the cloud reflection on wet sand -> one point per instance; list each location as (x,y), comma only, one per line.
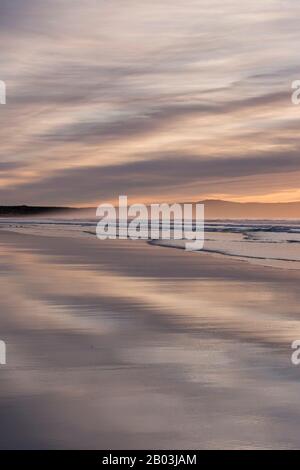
(122,344)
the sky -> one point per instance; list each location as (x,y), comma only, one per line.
(161,100)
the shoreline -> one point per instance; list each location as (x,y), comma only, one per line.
(246,248)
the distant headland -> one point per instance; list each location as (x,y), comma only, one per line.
(214,209)
(23,211)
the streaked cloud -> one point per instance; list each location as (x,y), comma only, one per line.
(153,99)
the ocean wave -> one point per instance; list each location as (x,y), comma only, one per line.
(271,243)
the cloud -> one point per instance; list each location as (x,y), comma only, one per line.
(6,166)
(157,177)
(145,94)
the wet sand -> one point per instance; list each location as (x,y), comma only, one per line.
(120,344)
